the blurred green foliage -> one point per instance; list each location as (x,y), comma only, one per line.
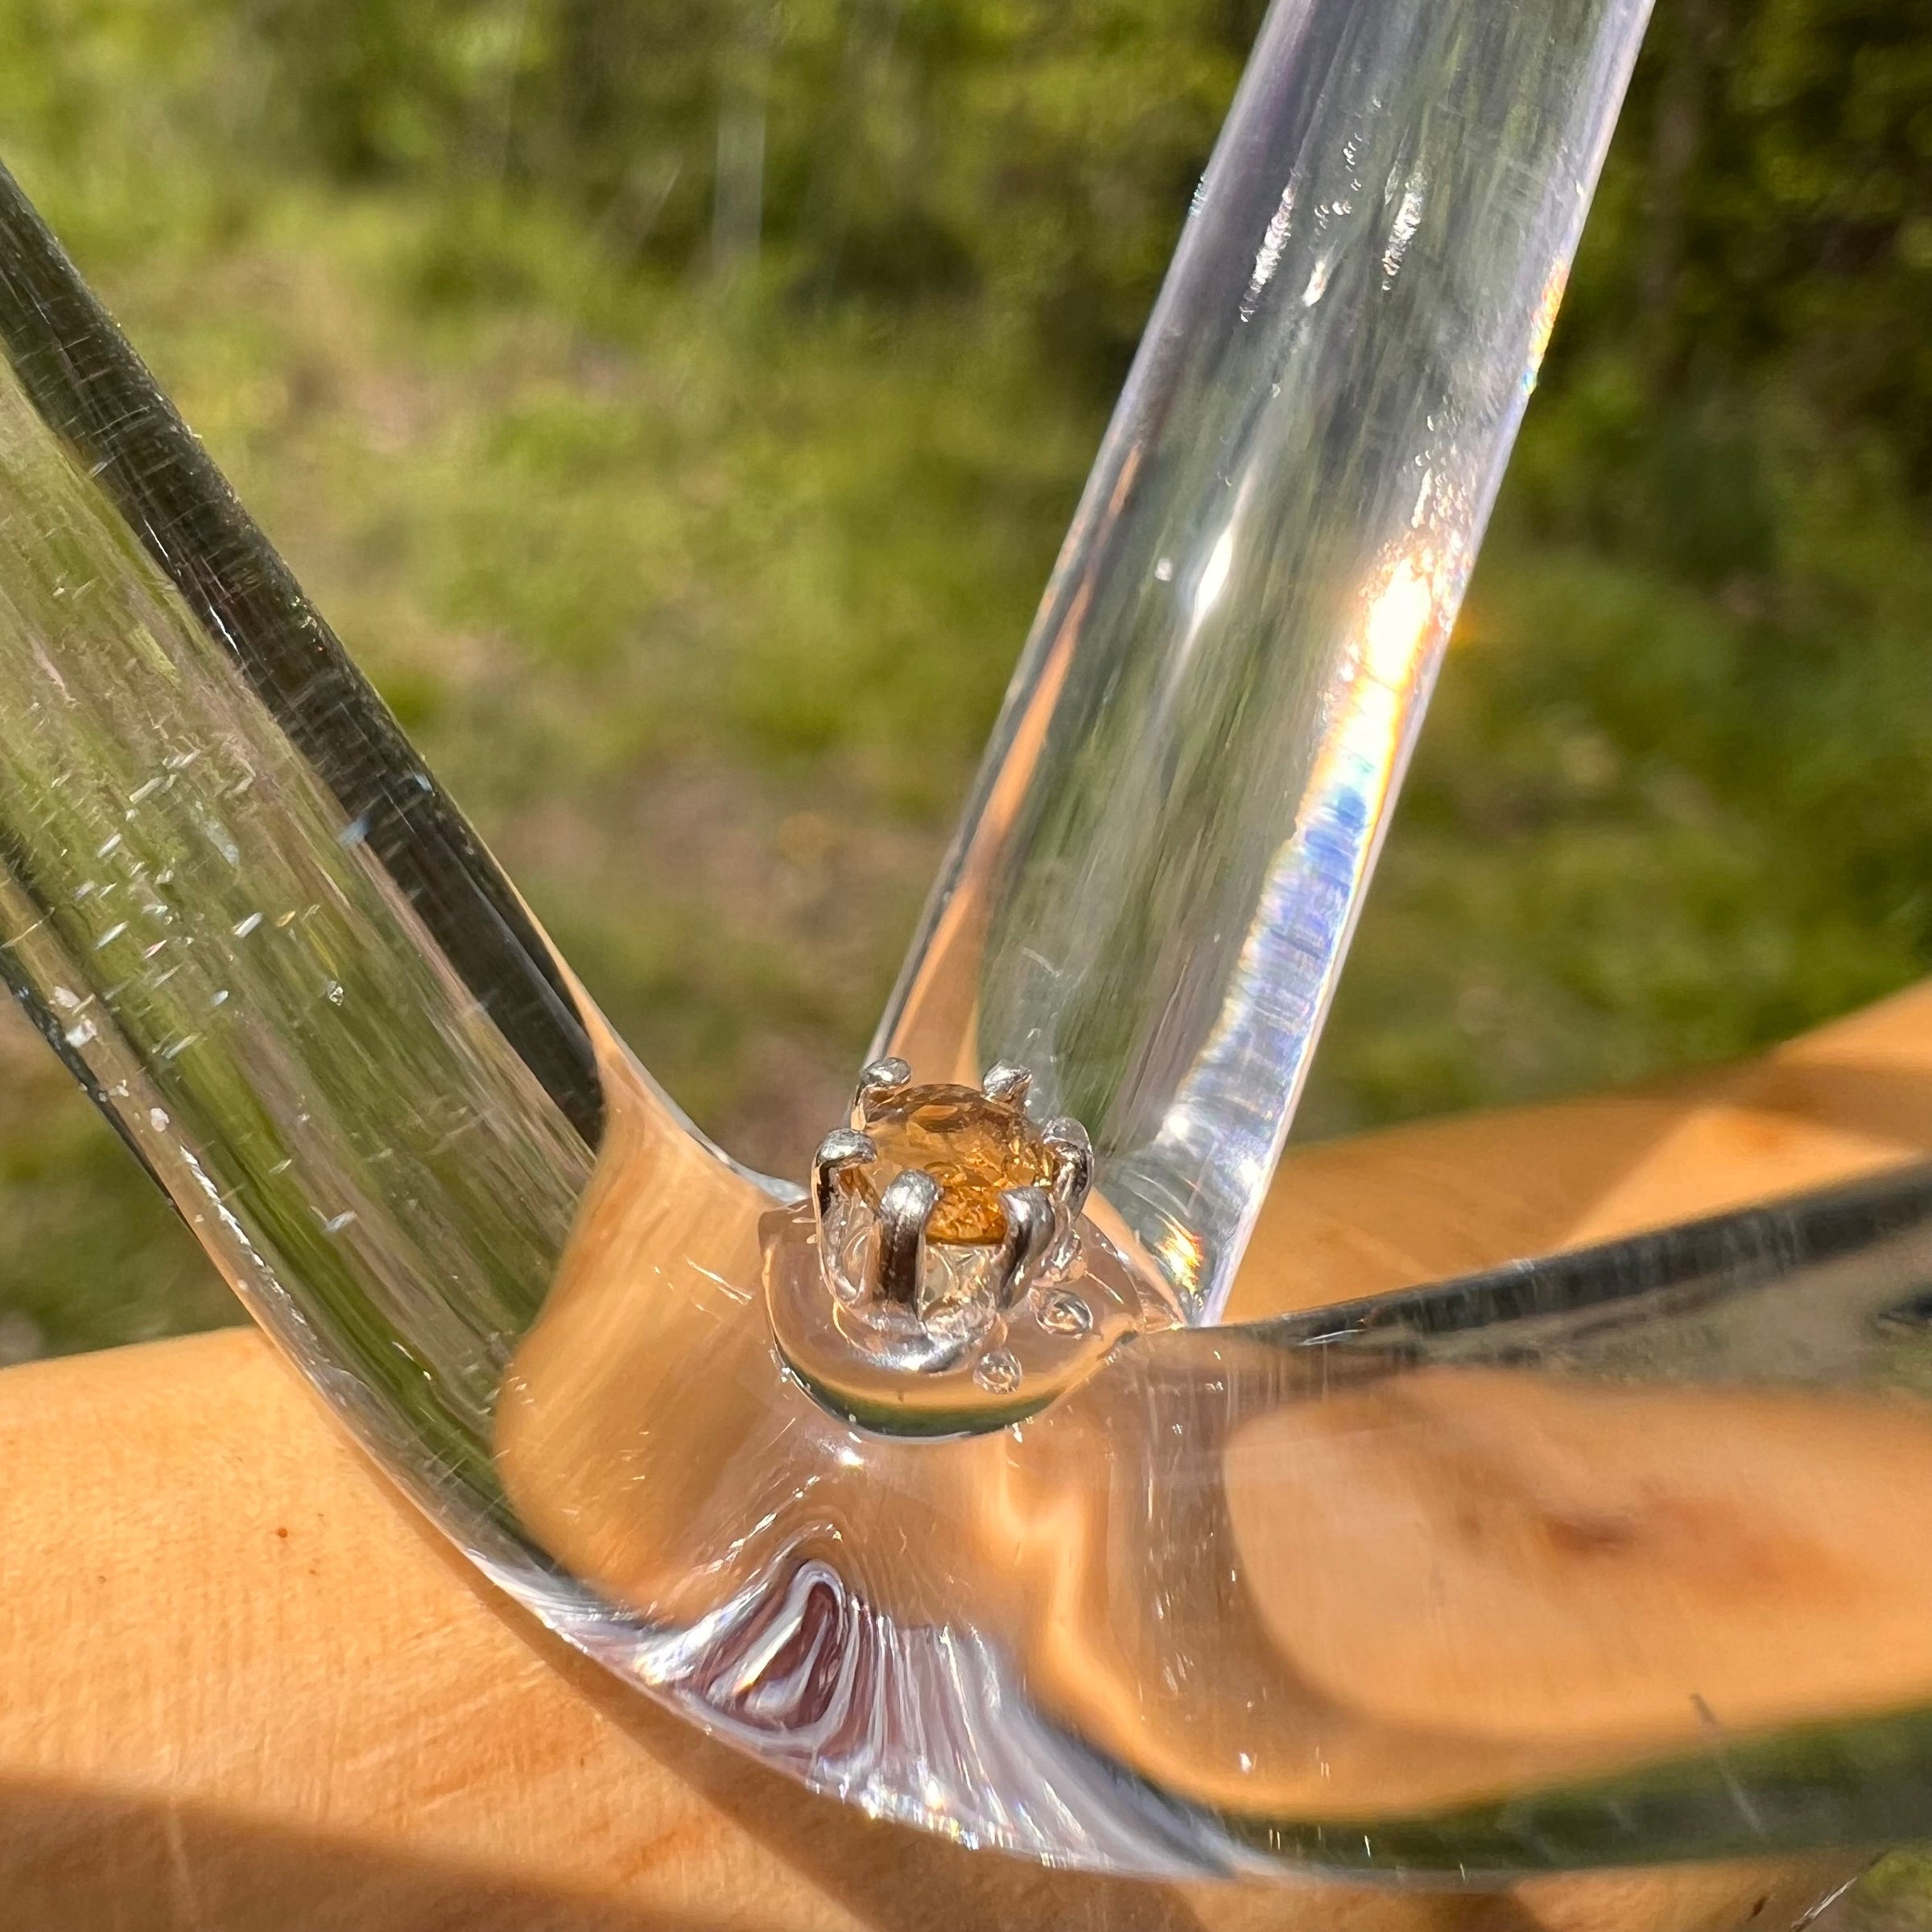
(677,404)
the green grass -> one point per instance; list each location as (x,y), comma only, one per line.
(702,601)
(666,584)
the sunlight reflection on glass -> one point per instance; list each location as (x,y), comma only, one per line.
(1152,906)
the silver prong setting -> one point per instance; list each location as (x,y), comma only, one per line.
(943,1212)
(842,1149)
(877,1084)
(1072,1152)
(905,1208)
(1031,1225)
(1008,1084)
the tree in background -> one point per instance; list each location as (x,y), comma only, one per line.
(668,395)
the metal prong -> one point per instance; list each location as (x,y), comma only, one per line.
(905,1208)
(837,1151)
(1007,1083)
(1029,1231)
(878,1081)
(1072,1163)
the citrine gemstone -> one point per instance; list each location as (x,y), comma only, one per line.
(973,1147)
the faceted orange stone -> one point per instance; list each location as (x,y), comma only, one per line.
(973,1147)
